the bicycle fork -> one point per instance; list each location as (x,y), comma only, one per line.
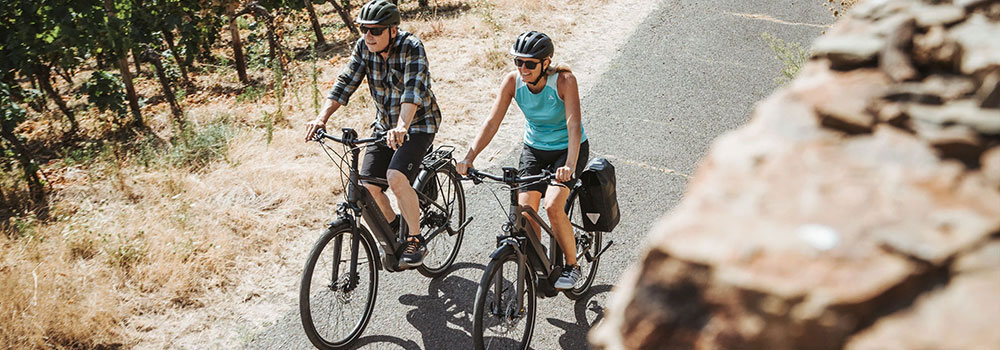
(519,283)
(352,272)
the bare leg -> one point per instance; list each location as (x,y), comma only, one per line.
(531,199)
(406,197)
(382,200)
(555,203)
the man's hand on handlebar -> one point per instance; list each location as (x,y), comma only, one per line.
(312,127)
(395,137)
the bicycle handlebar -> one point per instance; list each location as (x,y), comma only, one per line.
(379,137)
(477,176)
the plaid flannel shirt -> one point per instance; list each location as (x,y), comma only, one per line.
(403,78)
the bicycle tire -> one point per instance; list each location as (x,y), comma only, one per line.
(450,195)
(327,295)
(484,309)
(588,242)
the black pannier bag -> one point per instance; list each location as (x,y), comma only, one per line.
(598,200)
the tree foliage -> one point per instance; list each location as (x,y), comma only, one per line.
(96,39)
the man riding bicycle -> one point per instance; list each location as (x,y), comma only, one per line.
(395,64)
(554,140)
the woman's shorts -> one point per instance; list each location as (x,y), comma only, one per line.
(534,160)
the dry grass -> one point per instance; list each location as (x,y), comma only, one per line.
(199,244)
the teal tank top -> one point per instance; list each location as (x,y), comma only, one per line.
(545,113)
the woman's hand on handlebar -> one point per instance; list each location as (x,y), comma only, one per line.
(463,167)
(564,173)
(312,127)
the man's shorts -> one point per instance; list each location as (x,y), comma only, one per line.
(533,160)
(406,159)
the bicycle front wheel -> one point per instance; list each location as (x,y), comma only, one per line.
(588,246)
(335,305)
(443,211)
(498,323)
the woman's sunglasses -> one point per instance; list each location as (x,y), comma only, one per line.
(376,31)
(527,64)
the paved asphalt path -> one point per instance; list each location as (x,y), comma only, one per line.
(690,72)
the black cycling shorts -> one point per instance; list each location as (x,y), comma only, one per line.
(533,160)
(379,157)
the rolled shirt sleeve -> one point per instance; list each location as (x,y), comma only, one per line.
(350,78)
(416,78)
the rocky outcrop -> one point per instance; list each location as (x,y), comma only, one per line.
(859,209)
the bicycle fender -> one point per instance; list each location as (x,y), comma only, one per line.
(505,247)
(340,223)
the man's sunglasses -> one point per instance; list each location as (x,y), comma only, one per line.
(527,64)
(376,31)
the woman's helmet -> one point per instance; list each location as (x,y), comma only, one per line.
(532,44)
(380,12)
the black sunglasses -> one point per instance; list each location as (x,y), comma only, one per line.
(376,31)
(527,64)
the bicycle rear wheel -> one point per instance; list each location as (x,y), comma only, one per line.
(497,321)
(588,245)
(444,206)
(335,308)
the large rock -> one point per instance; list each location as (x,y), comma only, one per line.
(859,209)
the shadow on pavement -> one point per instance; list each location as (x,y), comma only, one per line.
(380,341)
(588,310)
(444,315)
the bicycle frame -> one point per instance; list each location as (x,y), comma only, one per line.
(361,204)
(521,238)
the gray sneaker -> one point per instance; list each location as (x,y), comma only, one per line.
(568,277)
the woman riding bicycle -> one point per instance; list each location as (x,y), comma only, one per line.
(553,137)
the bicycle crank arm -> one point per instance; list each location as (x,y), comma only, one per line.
(604,250)
(460,228)
(442,228)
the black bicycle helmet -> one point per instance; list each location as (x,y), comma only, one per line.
(532,44)
(380,12)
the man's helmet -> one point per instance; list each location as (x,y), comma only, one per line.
(532,44)
(380,12)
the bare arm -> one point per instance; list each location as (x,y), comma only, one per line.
(329,106)
(492,123)
(396,136)
(570,94)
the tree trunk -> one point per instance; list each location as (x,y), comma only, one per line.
(185,80)
(43,75)
(37,104)
(35,187)
(133,99)
(273,46)
(65,75)
(241,62)
(137,60)
(320,41)
(345,15)
(175,108)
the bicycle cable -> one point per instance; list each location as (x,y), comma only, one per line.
(511,188)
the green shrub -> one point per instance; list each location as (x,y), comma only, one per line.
(196,148)
(792,55)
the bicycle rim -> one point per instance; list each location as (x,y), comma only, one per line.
(443,248)
(497,323)
(334,316)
